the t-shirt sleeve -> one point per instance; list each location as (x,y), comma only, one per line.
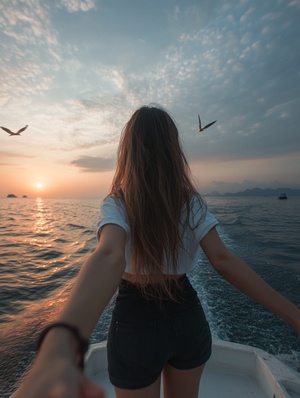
(202,220)
(112,212)
(206,224)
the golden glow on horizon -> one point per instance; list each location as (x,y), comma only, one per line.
(59,181)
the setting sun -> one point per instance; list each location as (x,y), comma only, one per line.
(39,185)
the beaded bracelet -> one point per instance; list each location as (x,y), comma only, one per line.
(82,343)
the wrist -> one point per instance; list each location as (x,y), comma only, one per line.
(62,340)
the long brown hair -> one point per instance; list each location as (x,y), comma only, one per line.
(153,180)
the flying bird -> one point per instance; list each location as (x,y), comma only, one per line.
(12,133)
(205,127)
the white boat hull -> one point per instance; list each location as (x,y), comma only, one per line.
(233,371)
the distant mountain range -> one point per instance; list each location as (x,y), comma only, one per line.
(260,192)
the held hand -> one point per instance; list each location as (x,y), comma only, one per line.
(57,379)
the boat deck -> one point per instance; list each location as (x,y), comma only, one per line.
(234,371)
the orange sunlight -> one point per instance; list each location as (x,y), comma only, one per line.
(54,182)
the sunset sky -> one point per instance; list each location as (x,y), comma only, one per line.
(75,70)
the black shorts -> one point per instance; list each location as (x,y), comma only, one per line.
(145,335)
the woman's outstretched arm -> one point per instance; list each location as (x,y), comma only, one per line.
(97,281)
(240,275)
(55,372)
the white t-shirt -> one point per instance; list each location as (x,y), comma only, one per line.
(113,212)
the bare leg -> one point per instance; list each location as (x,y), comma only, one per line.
(152,391)
(182,383)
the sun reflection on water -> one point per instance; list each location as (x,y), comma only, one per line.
(40,219)
(42,226)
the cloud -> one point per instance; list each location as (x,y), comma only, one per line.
(30,47)
(294,3)
(78,5)
(7,154)
(27,22)
(271,16)
(92,164)
(94,122)
(245,17)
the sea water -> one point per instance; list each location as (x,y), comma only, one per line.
(45,241)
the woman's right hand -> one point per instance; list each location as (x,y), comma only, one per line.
(57,379)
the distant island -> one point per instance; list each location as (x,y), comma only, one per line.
(12,195)
(261,192)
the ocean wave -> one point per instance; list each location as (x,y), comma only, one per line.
(49,255)
(75,226)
